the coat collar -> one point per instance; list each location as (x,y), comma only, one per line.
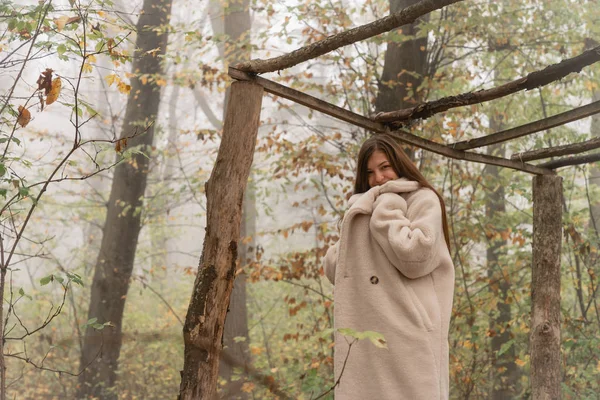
(400,185)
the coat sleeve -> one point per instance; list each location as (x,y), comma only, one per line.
(410,234)
(330,261)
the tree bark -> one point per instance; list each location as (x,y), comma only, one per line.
(594,178)
(505,373)
(204,324)
(236,25)
(114,265)
(405,63)
(545,288)
(236,323)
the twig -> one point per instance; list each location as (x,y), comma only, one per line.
(337,382)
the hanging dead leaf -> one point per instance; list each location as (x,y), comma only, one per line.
(121,145)
(61,22)
(54,92)
(72,20)
(24,116)
(44,81)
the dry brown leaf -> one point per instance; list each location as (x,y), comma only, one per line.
(121,145)
(24,116)
(44,81)
(54,92)
(73,20)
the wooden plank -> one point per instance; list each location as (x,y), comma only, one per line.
(468,156)
(403,17)
(556,151)
(545,288)
(567,161)
(309,101)
(532,127)
(205,319)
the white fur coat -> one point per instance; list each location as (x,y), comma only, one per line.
(393,274)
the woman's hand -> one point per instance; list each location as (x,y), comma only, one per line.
(391,201)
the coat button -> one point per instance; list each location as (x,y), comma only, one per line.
(374,280)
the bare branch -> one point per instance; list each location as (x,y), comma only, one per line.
(406,16)
(533,80)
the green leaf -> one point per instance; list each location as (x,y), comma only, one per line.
(75,278)
(23,191)
(505,347)
(2,170)
(46,280)
(61,49)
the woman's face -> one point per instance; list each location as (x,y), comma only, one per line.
(379,169)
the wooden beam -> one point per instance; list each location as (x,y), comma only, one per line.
(567,161)
(468,156)
(205,319)
(309,101)
(531,81)
(532,127)
(403,17)
(556,151)
(366,123)
(545,288)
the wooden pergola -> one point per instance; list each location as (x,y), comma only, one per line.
(225,191)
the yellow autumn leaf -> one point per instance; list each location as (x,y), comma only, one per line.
(55,91)
(61,22)
(101,14)
(24,116)
(112,78)
(87,67)
(123,87)
(91,58)
(256,350)
(248,387)
(520,362)
(161,82)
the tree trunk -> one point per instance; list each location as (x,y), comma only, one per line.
(120,234)
(236,323)
(404,65)
(204,323)
(545,288)
(594,178)
(505,374)
(237,25)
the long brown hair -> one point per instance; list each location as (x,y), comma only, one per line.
(401,164)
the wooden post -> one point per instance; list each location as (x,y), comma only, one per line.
(545,288)
(205,319)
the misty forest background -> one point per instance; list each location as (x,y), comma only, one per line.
(102,187)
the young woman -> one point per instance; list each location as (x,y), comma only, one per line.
(393,274)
